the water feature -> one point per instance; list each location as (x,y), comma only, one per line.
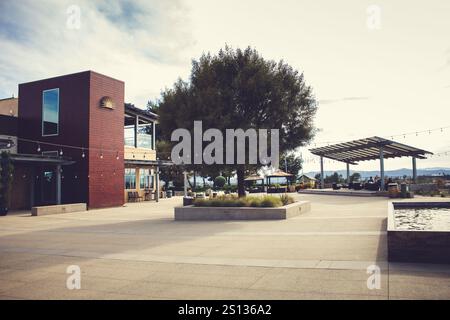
(430,219)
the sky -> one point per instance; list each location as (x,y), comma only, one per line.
(377,67)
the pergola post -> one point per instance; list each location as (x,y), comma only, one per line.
(382,168)
(322,186)
(414,167)
(348,173)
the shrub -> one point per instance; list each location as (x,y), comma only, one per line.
(285,199)
(234,201)
(219,182)
(255,201)
(271,202)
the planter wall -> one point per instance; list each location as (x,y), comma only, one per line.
(241,213)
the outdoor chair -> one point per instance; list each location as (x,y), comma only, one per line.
(133,196)
(336,186)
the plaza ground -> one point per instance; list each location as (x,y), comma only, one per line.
(140,252)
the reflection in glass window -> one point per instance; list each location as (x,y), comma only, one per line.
(50,112)
(145,179)
(129,135)
(145,136)
(130,178)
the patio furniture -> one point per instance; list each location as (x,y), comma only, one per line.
(187,201)
(133,196)
(336,186)
(357,186)
(149,195)
(372,186)
(393,190)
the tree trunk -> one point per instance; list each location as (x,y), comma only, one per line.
(240,181)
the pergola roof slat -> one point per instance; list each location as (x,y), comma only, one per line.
(368,149)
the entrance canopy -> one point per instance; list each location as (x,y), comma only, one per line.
(368,149)
(40,159)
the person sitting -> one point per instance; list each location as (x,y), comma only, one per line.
(370,180)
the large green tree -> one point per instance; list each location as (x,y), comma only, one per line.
(240,89)
(291,163)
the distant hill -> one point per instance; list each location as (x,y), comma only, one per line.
(389,173)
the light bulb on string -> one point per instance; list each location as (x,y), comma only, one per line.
(60,152)
(101,155)
(117,155)
(83,155)
(38,148)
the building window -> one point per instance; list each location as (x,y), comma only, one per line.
(130,178)
(50,112)
(145,179)
(145,136)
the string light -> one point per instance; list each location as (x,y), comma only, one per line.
(392,137)
(38,148)
(60,152)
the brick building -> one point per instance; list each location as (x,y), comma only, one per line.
(73,139)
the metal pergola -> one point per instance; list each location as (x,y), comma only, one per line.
(372,148)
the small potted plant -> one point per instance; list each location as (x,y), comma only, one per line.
(6,178)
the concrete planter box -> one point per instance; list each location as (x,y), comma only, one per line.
(241,213)
(417,245)
(57,209)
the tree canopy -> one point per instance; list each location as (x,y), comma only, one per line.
(240,89)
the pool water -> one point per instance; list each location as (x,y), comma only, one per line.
(427,219)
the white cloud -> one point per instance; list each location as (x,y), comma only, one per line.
(142,44)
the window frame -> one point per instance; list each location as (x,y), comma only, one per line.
(131,175)
(42,114)
(147,179)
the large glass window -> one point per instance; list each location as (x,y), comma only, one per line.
(145,136)
(130,178)
(143,128)
(145,179)
(129,135)
(50,112)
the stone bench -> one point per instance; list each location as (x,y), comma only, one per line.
(57,209)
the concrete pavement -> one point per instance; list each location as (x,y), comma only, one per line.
(140,252)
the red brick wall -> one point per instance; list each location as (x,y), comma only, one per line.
(106,176)
(83,123)
(73,127)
